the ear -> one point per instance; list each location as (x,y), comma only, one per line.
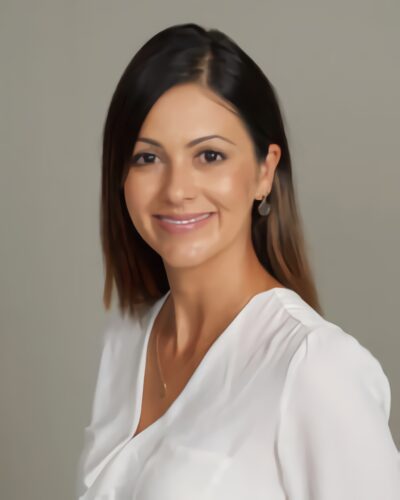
(266,171)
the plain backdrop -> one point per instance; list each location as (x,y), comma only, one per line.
(335,66)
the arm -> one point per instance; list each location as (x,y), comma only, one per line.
(88,458)
(333,438)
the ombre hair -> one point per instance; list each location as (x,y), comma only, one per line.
(181,54)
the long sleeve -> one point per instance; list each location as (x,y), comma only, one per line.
(88,459)
(333,438)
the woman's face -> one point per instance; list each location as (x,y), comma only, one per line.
(169,176)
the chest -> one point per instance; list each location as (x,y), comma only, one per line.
(156,401)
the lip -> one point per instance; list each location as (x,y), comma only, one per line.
(182,216)
(172,228)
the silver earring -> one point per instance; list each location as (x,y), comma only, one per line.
(264,207)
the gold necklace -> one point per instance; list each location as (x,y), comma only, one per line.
(164,390)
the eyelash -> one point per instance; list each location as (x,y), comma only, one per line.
(135,158)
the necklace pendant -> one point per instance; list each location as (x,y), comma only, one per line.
(163,392)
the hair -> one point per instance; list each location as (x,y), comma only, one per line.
(179,54)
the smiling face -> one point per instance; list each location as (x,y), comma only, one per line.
(218,175)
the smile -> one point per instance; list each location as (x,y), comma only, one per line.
(183,225)
(185,221)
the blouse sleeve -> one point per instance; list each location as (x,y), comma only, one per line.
(88,459)
(333,438)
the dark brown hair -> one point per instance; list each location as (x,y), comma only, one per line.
(180,54)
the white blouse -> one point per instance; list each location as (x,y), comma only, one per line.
(284,405)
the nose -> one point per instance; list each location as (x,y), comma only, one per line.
(179,183)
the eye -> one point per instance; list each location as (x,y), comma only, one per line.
(210,155)
(135,158)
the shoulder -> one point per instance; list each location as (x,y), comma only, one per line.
(293,307)
(120,329)
(284,312)
(320,355)
(333,436)
(331,368)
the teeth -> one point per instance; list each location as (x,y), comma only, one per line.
(189,221)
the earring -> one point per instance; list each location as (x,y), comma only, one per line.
(264,207)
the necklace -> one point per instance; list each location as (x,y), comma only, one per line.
(163,393)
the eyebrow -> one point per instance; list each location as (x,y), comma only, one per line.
(189,144)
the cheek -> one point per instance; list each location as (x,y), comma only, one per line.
(138,192)
(233,189)
(136,198)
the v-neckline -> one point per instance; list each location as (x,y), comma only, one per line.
(177,402)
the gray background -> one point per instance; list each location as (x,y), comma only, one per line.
(336,69)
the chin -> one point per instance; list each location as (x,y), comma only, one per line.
(185,257)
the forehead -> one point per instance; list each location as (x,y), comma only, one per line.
(187,111)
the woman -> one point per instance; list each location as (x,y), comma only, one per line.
(219,376)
